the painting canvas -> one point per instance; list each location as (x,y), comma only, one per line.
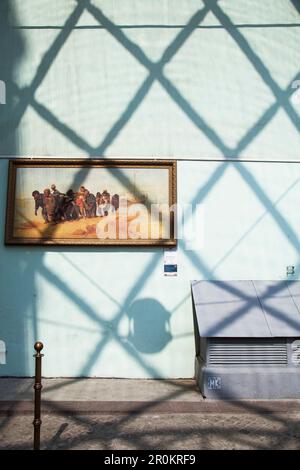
(91,202)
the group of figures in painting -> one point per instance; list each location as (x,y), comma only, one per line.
(58,207)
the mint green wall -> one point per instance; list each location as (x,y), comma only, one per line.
(217,91)
(94,93)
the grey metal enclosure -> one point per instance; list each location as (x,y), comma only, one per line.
(247,338)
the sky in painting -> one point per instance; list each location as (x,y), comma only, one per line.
(123,181)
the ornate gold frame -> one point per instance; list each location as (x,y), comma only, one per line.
(85,163)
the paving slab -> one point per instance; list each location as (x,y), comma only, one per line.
(113,414)
(168,431)
(115,396)
(90,389)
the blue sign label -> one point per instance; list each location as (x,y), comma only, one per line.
(170,268)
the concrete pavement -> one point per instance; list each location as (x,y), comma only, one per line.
(142,414)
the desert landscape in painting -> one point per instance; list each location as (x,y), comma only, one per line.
(132,227)
(47,207)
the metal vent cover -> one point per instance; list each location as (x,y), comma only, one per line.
(296,352)
(247,352)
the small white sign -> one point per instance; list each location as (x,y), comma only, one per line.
(170,262)
(2,352)
(2,92)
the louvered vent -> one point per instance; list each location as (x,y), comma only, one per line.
(253,353)
(296,352)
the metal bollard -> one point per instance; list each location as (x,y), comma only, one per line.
(37,395)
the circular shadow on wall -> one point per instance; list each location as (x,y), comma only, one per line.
(149,325)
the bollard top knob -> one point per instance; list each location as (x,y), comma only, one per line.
(38,346)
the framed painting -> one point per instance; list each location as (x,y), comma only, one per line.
(91,202)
